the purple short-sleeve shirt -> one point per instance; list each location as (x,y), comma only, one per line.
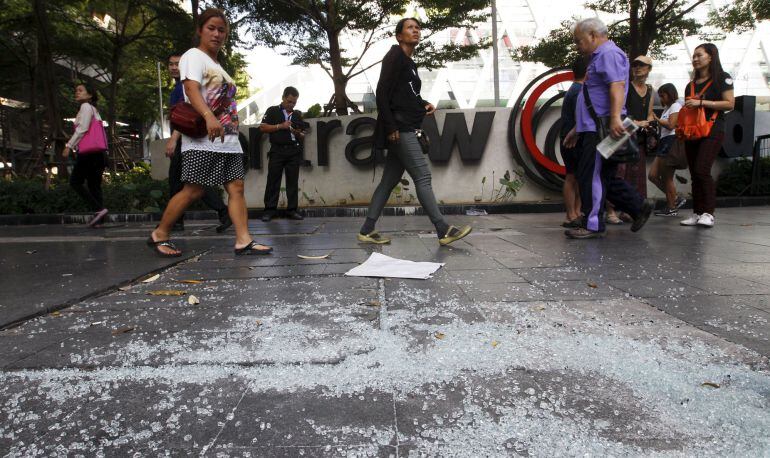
(609,64)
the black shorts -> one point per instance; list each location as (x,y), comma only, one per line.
(664,146)
(571,157)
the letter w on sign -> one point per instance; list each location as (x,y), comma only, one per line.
(471,146)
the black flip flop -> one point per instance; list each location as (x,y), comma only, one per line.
(167,243)
(251,249)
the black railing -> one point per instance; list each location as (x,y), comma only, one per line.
(761,150)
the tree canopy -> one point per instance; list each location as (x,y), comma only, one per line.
(645,26)
(48,47)
(309,31)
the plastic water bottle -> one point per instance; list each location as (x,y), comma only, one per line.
(609,145)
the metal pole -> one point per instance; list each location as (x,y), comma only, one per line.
(495,65)
(160,102)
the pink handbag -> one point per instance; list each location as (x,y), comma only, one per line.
(95,140)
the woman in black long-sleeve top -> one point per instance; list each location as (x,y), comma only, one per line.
(400,114)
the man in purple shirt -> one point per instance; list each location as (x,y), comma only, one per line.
(607,80)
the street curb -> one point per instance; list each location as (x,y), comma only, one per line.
(330,212)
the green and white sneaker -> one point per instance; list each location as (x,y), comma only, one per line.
(454,234)
(373,237)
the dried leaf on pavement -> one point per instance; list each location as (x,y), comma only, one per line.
(123,330)
(495,343)
(125,288)
(325,256)
(56,313)
(192,300)
(592,285)
(191,282)
(439,335)
(151,279)
(167,292)
(711,384)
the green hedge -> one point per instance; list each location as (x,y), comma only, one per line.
(133,191)
(737,176)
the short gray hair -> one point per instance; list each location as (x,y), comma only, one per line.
(592,24)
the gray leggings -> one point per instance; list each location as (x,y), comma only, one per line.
(407,155)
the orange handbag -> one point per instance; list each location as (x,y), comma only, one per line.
(692,123)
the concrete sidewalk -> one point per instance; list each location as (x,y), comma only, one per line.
(525,343)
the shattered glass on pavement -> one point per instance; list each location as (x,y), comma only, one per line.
(524,344)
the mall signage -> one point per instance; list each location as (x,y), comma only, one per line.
(527,119)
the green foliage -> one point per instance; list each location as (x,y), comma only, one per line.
(22,196)
(555,50)
(310,30)
(735,179)
(134,191)
(313,112)
(639,30)
(18,49)
(740,15)
(445,14)
(510,186)
(122,52)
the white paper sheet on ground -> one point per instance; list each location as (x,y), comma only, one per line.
(379,265)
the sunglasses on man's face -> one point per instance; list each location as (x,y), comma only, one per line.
(639,64)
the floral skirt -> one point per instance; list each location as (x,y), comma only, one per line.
(209,168)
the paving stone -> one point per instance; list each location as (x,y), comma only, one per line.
(275,419)
(145,319)
(656,288)
(32,285)
(484,276)
(402,293)
(726,286)
(540,274)
(339,269)
(518,262)
(508,350)
(383,451)
(758,272)
(499,292)
(135,417)
(225,273)
(577,290)
(734,318)
(17,344)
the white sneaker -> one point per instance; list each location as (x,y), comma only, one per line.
(691,221)
(706,220)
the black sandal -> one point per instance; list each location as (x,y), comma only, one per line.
(166,243)
(251,248)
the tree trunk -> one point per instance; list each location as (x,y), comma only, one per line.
(633,29)
(35,122)
(113,90)
(335,58)
(49,83)
(647,30)
(338,75)
(195,6)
